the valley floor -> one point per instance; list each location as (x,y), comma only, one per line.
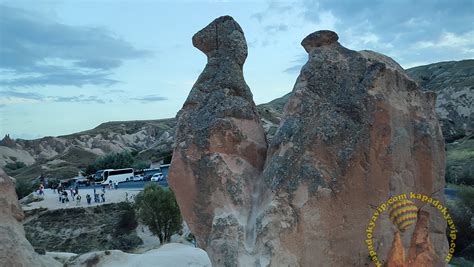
(51,198)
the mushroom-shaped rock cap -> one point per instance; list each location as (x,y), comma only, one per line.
(222,37)
(319,38)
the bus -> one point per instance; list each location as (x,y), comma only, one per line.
(120,175)
(98,175)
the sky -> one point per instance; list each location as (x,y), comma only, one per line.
(67,66)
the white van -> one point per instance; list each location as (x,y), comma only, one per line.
(120,175)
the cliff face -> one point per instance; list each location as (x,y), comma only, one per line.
(453,81)
(355,131)
(15,250)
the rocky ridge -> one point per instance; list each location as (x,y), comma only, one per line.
(453,82)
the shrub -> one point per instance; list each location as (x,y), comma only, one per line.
(462,212)
(157,208)
(24,188)
(128,220)
(14,166)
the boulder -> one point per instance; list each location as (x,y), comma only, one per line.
(355,131)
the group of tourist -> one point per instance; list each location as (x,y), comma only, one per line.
(97,198)
(64,195)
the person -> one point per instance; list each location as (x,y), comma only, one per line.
(88,198)
(71,192)
(41,190)
(116,185)
(78,200)
(110,184)
(103,197)
(64,198)
(96,197)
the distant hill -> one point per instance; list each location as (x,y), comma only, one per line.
(63,156)
(453,81)
(153,140)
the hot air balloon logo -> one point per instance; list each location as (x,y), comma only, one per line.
(403,213)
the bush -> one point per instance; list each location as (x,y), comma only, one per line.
(14,166)
(157,208)
(128,220)
(24,188)
(462,211)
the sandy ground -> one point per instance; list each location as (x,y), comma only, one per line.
(168,255)
(51,199)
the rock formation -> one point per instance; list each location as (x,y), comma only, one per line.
(355,131)
(15,250)
(220,147)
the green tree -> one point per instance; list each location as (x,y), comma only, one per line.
(140,165)
(158,209)
(111,161)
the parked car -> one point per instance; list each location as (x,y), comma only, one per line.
(157,177)
(137,178)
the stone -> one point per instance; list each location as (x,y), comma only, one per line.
(355,131)
(220,146)
(15,250)
(319,38)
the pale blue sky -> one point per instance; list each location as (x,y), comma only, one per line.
(67,66)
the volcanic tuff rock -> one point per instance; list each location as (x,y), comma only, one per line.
(220,145)
(355,130)
(14,248)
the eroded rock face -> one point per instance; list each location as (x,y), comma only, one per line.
(15,250)
(355,131)
(220,146)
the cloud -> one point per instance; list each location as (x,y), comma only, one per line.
(409,31)
(448,40)
(38,51)
(11,97)
(79,99)
(150,98)
(297,64)
(276,28)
